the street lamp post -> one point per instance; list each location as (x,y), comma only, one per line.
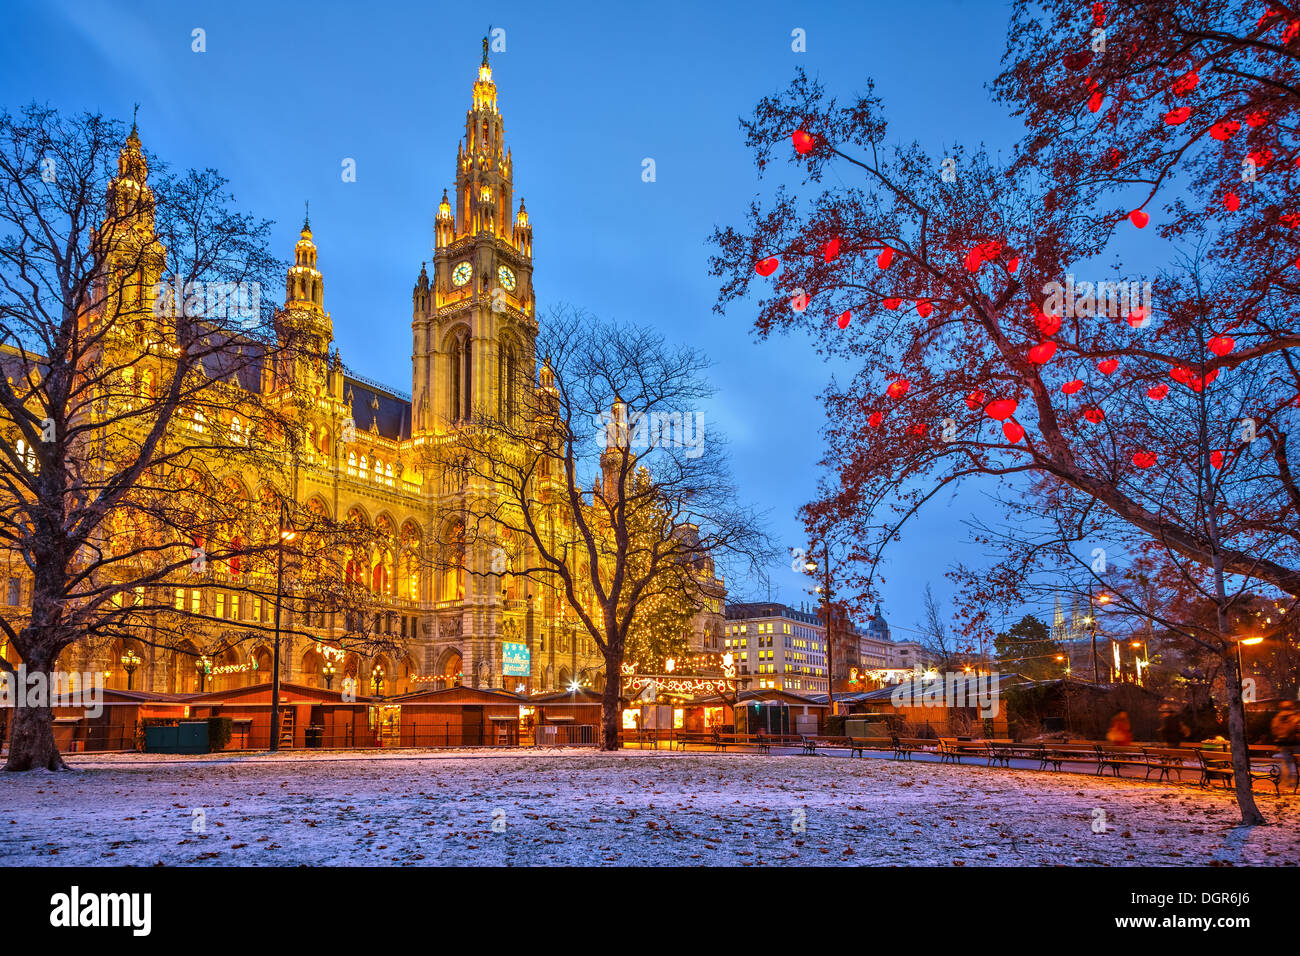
(202,665)
(825,589)
(286,534)
(328,671)
(130,661)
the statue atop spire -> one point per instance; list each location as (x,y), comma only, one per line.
(485,48)
(306,215)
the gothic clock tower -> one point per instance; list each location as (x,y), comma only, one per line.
(474,318)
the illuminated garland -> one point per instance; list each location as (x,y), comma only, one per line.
(682,685)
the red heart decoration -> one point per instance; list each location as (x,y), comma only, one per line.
(1094,415)
(1178,116)
(1095,101)
(1158,393)
(1261,158)
(1106,366)
(1042,353)
(892,303)
(1139,218)
(1216,459)
(800,301)
(875,419)
(1048,324)
(1180,374)
(1001,409)
(1257,117)
(918,429)
(1221,344)
(1137,317)
(1144,459)
(765,267)
(1013,432)
(844,319)
(974,400)
(923,308)
(1225,130)
(1098,14)
(832,250)
(1290,219)
(898,389)
(1231,202)
(1069,388)
(885,258)
(1186,83)
(990,250)
(973,260)
(803,142)
(1013,264)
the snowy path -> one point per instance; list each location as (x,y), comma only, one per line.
(637,807)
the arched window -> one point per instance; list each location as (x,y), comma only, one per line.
(506,373)
(453,564)
(461,379)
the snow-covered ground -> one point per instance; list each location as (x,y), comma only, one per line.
(635,807)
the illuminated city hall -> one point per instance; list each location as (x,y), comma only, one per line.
(473,327)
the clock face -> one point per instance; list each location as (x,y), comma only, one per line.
(460,275)
(506,278)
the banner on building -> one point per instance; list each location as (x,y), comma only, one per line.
(515,660)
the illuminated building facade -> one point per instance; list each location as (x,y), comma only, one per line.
(373,458)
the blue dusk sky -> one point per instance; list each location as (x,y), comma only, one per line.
(285,92)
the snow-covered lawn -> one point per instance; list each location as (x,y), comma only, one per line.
(580,807)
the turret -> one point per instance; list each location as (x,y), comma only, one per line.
(523,232)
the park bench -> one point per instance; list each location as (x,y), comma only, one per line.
(859,745)
(761,741)
(1001,751)
(1217,765)
(684,738)
(904,747)
(1027,751)
(785,740)
(1115,756)
(1058,754)
(1163,761)
(812,741)
(951,750)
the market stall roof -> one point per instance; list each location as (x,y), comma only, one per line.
(766,696)
(459,695)
(290,693)
(583,695)
(884,694)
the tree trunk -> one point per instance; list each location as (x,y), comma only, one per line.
(609,711)
(1250,815)
(31,743)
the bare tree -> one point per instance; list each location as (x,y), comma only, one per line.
(934,629)
(139,404)
(604,494)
